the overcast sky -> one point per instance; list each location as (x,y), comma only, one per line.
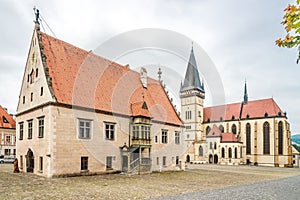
(238,36)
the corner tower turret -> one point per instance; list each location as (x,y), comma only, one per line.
(192,94)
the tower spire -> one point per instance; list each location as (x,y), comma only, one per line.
(245,94)
(192,78)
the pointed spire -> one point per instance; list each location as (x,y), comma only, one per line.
(192,78)
(245,93)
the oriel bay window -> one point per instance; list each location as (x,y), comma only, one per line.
(141,132)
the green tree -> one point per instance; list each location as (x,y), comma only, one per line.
(291,23)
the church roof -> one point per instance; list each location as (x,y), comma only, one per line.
(228,137)
(6,120)
(192,78)
(253,109)
(84,79)
(214,132)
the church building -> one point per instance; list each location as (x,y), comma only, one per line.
(79,113)
(249,132)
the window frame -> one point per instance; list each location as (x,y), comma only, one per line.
(177,137)
(30,128)
(21,130)
(84,128)
(41,127)
(164,136)
(84,163)
(110,133)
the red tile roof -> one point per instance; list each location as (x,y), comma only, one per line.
(6,121)
(259,108)
(228,137)
(225,112)
(214,132)
(254,109)
(84,79)
(140,109)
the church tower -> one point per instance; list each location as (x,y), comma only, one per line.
(192,95)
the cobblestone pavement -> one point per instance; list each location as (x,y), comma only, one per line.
(196,178)
(286,188)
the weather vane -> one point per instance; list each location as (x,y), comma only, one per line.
(37,14)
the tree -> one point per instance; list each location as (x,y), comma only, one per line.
(291,23)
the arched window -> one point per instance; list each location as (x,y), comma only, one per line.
(280,138)
(207,130)
(248,139)
(210,145)
(223,152)
(215,145)
(200,151)
(233,129)
(221,128)
(229,152)
(266,138)
(235,152)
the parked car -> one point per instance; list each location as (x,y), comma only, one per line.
(7,160)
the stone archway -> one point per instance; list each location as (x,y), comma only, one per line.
(215,159)
(29,161)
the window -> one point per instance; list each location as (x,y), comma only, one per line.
(14,152)
(235,152)
(7,140)
(177,160)
(23,99)
(280,138)
(4,120)
(135,132)
(210,145)
(84,163)
(188,114)
(223,152)
(109,131)
(7,152)
(221,128)
(164,136)
(248,139)
(207,130)
(229,152)
(233,129)
(42,91)
(109,162)
(266,138)
(84,128)
(164,161)
(157,160)
(41,164)
(215,145)
(31,96)
(21,130)
(146,132)
(41,127)
(201,151)
(156,139)
(21,162)
(30,129)
(177,137)
(36,72)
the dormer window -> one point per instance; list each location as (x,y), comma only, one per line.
(266,114)
(232,118)
(4,120)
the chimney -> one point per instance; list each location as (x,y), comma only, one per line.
(143,77)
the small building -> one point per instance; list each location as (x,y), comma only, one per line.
(296,157)
(7,134)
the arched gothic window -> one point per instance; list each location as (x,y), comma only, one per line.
(235,152)
(229,152)
(223,152)
(280,138)
(266,138)
(248,139)
(207,130)
(233,129)
(200,151)
(221,128)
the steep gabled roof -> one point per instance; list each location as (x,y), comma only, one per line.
(228,137)
(6,121)
(214,132)
(81,78)
(258,108)
(224,112)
